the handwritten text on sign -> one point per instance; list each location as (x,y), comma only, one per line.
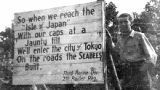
(59,46)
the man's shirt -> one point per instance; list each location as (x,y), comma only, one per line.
(136,47)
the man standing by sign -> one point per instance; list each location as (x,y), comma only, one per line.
(137,55)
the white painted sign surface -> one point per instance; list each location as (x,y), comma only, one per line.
(59,45)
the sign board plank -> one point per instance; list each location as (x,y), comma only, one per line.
(70,15)
(61,74)
(59,58)
(60,48)
(68,30)
(65,39)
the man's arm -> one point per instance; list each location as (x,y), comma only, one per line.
(149,52)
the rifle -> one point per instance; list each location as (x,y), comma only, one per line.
(111,62)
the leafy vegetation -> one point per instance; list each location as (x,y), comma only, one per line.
(6,56)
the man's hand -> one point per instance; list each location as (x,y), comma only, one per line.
(111,43)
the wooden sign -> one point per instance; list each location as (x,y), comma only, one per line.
(59,45)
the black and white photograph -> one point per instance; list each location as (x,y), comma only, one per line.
(80,45)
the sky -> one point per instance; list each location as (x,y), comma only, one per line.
(9,7)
